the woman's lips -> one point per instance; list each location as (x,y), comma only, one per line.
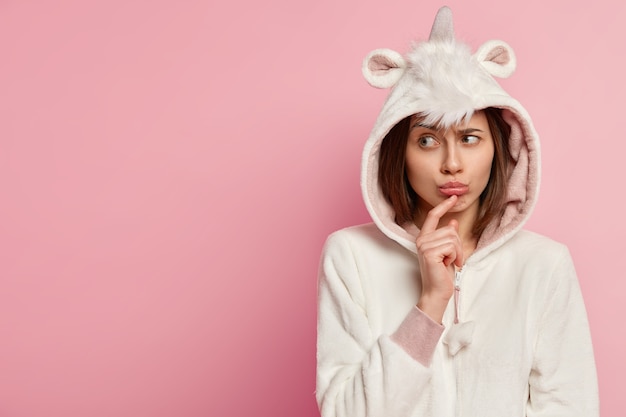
(453,188)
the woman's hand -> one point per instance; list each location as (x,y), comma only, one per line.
(438,251)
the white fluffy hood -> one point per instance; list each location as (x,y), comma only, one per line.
(444,80)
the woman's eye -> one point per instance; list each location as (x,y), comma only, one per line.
(470,139)
(427,141)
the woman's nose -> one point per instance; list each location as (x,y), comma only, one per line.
(452,161)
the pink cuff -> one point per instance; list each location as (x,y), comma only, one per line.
(418,335)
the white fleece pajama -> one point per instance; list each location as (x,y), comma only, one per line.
(521,347)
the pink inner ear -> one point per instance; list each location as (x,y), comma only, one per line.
(499,55)
(380,63)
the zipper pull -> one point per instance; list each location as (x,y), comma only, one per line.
(457,294)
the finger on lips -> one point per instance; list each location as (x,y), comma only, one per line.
(437,212)
(444,241)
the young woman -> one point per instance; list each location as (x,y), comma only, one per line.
(444,306)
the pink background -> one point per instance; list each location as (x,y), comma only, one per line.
(170,169)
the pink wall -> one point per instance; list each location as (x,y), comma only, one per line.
(169,172)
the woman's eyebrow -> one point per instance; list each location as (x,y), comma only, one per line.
(469,130)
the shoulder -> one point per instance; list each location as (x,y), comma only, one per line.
(361,238)
(343,255)
(534,255)
(535,244)
(361,231)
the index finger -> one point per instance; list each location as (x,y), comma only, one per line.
(436,213)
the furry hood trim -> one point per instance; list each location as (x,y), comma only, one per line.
(443,80)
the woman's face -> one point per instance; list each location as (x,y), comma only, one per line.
(456,161)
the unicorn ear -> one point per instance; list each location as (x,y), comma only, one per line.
(497,58)
(382,68)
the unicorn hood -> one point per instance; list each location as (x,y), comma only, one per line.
(443,80)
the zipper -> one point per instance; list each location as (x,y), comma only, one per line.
(457,294)
(457,358)
(457,300)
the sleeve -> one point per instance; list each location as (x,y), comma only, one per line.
(563,380)
(358,373)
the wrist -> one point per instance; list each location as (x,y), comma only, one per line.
(433,306)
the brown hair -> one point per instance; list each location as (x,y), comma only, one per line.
(398,192)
